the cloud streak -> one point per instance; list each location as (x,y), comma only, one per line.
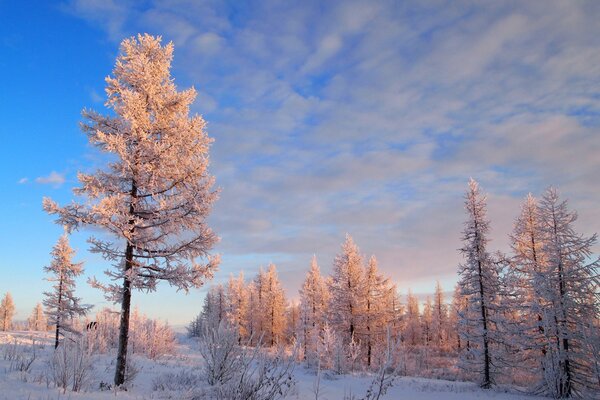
(369,119)
(54,178)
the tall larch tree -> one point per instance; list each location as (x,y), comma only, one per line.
(7,312)
(237,300)
(154,197)
(412,323)
(479,283)
(37,321)
(427,322)
(257,317)
(314,304)
(571,288)
(61,303)
(275,307)
(347,291)
(375,314)
(440,317)
(457,308)
(525,293)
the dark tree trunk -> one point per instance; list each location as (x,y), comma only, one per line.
(125,302)
(124,323)
(58,310)
(487,382)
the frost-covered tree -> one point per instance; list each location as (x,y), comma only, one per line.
(274,308)
(37,321)
(215,307)
(314,303)
(427,322)
(256,318)
(7,312)
(346,305)
(479,283)
(458,307)
(376,316)
(571,302)
(237,302)
(154,197)
(61,304)
(439,325)
(524,293)
(412,324)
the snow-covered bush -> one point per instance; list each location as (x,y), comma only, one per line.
(236,372)
(182,381)
(147,337)
(71,364)
(21,357)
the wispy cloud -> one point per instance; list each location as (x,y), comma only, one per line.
(353,117)
(54,178)
(23,181)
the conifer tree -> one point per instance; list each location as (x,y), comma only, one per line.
(439,317)
(458,307)
(479,283)
(237,301)
(412,326)
(524,287)
(61,303)
(427,322)
(375,315)
(37,321)
(155,196)
(570,296)
(275,307)
(314,303)
(7,312)
(347,304)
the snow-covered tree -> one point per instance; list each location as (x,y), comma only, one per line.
(570,298)
(427,322)
(215,306)
(37,321)
(524,293)
(439,325)
(412,324)
(458,307)
(62,306)
(237,301)
(7,312)
(479,283)
(154,197)
(376,316)
(347,303)
(256,319)
(314,303)
(274,308)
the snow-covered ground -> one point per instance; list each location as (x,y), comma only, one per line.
(36,383)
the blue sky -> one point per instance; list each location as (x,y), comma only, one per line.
(328,117)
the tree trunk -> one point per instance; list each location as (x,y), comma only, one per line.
(125,302)
(124,323)
(59,309)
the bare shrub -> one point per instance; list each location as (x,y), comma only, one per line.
(71,364)
(21,357)
(183,380)
(235,372)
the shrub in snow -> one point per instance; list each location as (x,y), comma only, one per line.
(235,372)
(148,337)
(21,357)
(183,380)
(71,364)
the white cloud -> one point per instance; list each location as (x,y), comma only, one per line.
(338,116)
(23,181)
(54,178)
